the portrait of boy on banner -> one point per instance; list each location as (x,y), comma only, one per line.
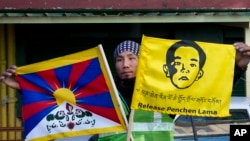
(184,69)
(174,76)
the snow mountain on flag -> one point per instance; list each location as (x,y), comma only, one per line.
(68,117)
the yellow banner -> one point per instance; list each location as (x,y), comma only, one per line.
(184,77)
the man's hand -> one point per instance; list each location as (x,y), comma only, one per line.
(242,55)
(8,77)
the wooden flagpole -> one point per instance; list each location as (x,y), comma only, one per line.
(112,83)
(130,126)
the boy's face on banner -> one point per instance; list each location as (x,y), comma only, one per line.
(186,65)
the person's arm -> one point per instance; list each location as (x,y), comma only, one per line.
(242,60)
(8,78)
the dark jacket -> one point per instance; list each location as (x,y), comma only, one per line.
(238,73)
(126,88)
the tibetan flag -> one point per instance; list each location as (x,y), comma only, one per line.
(184,77)
(69,96)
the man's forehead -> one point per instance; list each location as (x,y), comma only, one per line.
(127,53)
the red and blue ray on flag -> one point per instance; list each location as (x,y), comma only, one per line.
(69,96)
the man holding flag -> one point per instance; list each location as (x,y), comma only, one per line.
(147,126)
(126,59)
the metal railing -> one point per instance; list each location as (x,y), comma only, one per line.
(6,130)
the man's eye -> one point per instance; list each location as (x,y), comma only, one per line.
(131,58)
(118,60)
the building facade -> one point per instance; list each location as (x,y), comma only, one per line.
(32,31)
